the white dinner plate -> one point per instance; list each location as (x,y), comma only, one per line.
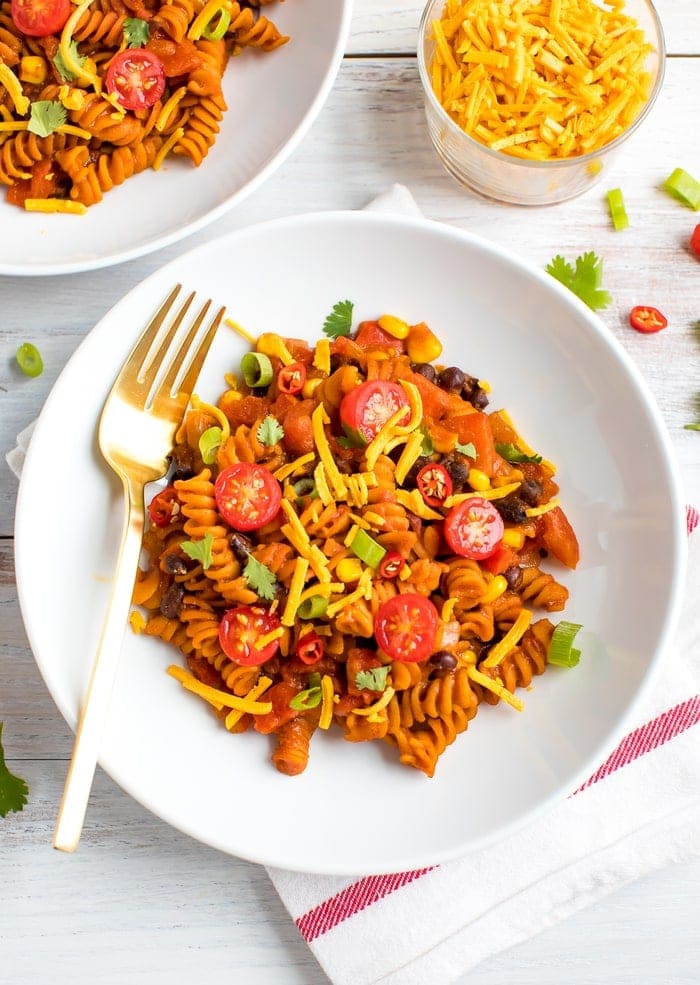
(272,99)
(576,397)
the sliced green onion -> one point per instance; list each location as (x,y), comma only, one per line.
(212,33)
(684,187)
(512,453)
(427,447)
(256,369)
(313,608)
(692,427)
(310,698)
(314,679)
(367,549)
(209,444)
(561,652)
(303,487)
(618,213)
(29,359)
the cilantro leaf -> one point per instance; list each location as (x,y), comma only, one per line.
(372,680)
(209,443)
(270,431)
(13,789)
(352,439)
(469,450)
(512,453)
(339,321)
(584,279)
(136,32)
(199,550)
(47,115)
(61,66)
(427,447)
(260,578)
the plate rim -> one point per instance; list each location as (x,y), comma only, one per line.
(676,582)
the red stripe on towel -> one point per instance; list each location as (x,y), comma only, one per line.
(692,518)
(363,893)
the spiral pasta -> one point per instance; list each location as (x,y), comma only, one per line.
(386,584)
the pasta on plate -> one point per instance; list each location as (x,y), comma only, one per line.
(349,536)
(93,94)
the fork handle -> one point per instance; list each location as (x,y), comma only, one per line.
(81,771)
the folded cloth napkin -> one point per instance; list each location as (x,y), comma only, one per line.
(639,810)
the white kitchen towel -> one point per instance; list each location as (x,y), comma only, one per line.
(639,810)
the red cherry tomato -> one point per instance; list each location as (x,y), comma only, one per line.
(365,409)
(391,564)
(647,320)
(434,484)
(406,627)
(474,529)
(163,507)
(292,378)
(248,496)
(136,77)
(695,241)
(310,648)
(39,18)
(241,628)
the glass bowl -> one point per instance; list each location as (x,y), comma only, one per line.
(521,182)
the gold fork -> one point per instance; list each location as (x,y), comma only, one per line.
(138,423)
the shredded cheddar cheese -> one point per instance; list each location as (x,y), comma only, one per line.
(167,147)
(326,717)
(539,510)
(497,687)
(238,329)
(322,356)
(234,716)
(295,590)
(379,705)
(81,72)
(414,502)
(318,419)
(270,344)
(167,111)
(54,205)
(14,87)
(291,468)
(512,637)
(220,699)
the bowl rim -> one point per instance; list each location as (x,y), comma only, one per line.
(588,158)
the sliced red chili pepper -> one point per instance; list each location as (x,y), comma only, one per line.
(391,564)
(695,241)
(163,507)
(310,648)
(291,379)
(434,484)
(647,320)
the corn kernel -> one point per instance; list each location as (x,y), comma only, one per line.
(422,345)
(32,69)
(71,98)
(309,387)
(494,590)
(394,326)
(514,538)
(478,480)
(485,385)
(349,570)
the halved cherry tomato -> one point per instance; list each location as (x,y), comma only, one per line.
(177,57)
(474,529)
(647,320)
(39,18)
(371,336)
(310,648)
(292,378)
(247,495)
(163,507)
(279,696)
(695,241)
(241,628)
(406,627)
(365,409)
(136,77)
(434,484)
(391,564)
(44,182)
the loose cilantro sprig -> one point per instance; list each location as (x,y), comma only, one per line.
(61,66)
(427,447)
(512,453)
(14,791)
(372,680)
(260,579)
(136,32)
(339,321)
(584,279)
(270,431)
(46,116)
(467,449)
(199,550)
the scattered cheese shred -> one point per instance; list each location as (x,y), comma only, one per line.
(293,467)
(409,457)
(239,330)
(137,621)
(169,108)
(539,510)
(271,344)
(81,72)
(54,205)
(167,147)
(379,705)
(496,686)
(414,502)
(318,419)
(214,412)
(324,588)
(498,493)
(501,649)
(295,589)
(268,638)
(220,699)
(14,87)
(540,80)
(326,717)
(234,717)
(322,356)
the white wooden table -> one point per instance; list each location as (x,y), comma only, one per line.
(141,903)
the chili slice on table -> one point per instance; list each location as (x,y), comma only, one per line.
(474,528)
(434,484)
(310,648)
(247,495)
(39,18)
(406,626)
(390,565)
(136,77)
(241,628)
(695,241)
(369,406)
(163,507)
(647,320)
(292,378)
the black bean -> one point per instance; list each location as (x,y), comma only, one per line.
(171,603)
(514,576)
(530,491)
(182,459)
(442,660)
(175,564)
(511,509)
(241,546)
(479,399)
(426,370)
(451,379)
(412,475)
(543,552)
(470,385)
(457,469)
